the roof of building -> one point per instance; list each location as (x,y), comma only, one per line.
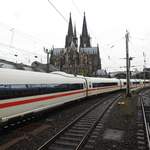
(12,65)
(89,50)
(57,51)
(36,66)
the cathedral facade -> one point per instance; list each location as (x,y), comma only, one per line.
(80,59)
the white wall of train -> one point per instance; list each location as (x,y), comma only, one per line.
(24,92)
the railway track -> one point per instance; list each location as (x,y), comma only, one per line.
(82,132)
(143,132)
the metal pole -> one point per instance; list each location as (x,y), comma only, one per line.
(128,94)
(48,62)
(144,66)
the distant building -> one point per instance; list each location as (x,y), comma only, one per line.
(83,59)
(145,74)
(35,66)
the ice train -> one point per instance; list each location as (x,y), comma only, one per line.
(25,92)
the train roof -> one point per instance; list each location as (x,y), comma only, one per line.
(12,76)
(102,79)
(63,73)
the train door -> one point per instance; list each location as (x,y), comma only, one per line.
(86,86)
(120,84)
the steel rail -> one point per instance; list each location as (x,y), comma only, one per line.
(85,137)
(145,123)
(79,147)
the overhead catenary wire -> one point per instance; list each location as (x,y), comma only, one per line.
(36,41)
(33,40)
(141,47)
(141,52)
(79,11)
(140,38)
(113,43)
(81,14)
(17,51)
(50,2)
(59,12)
(23,34)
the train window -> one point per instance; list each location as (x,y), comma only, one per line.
(90,85)
(51,85)
(4,86)
(18,86)
(35,85)
(43,85)
(104,84)
(136,82)
(22,90)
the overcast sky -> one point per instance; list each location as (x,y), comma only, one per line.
(28,25)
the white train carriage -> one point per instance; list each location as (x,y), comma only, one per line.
(102,85)
(123,83)
(146,83)
(23,92)
(137,83)
(134,84)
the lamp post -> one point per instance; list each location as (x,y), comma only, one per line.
(48,52)
(16,57)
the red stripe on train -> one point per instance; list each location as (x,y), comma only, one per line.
(32,100)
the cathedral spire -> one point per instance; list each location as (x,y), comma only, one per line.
(69,36)
(84,38)
(99,57)
(84,27)
(70,28)
(75,39)
(75,33)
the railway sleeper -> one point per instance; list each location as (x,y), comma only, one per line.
(66,143)
(82,125)
(91,141)
(140,138)
(70,138)
(88,147)
(80,128)
(88,120)
(73,134)
(85,123)
(56,147)
(76,131)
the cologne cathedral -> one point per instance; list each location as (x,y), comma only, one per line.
(75,59)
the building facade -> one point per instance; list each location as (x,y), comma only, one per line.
(83,59)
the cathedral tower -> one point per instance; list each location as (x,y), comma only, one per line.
(75,39)
(84,38)
(71,35)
